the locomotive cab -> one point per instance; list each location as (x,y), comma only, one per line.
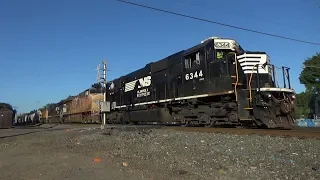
(208,67)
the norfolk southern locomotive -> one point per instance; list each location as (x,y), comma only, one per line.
(213,83)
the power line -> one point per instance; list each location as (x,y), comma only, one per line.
(310,66)
(237,14)
(214,22)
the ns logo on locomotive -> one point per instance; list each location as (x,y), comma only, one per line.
(212,83)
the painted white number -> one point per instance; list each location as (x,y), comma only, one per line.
(194,75)
(200,73)
(187,76)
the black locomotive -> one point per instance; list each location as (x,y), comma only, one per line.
(213,83)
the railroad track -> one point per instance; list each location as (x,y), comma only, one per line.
(300,133)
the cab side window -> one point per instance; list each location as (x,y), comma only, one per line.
(193,60)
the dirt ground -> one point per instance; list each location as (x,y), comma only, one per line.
(86,152)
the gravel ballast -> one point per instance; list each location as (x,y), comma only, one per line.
(66,152)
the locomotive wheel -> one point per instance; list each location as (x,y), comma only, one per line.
(185,122)
(210,123)
(205,120)
(233,117)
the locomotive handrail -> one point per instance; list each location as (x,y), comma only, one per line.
(285,71)
(258,78)
(237,74)
(250,79)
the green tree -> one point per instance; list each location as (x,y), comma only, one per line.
(302,104)
(311,72)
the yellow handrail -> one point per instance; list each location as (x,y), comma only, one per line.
(250,93)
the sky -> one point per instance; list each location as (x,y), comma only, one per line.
(50,49)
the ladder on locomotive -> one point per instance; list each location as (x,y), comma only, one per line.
(246,104)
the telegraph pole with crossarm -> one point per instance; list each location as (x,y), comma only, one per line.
(104,62)
(104,105)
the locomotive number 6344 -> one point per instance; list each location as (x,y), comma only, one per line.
(192,75)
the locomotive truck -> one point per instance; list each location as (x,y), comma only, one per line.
(213,83)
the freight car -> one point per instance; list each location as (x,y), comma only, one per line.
(7,114)
(33,117)
(213,83)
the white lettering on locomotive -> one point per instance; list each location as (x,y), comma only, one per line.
(222,45)
(143,92)
(194,75)
(143,82)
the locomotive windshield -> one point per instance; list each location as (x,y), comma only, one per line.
(221,54)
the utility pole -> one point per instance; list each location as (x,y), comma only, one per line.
(104,62)
(104,105)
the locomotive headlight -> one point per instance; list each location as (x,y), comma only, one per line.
(268,95)
(293,100)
